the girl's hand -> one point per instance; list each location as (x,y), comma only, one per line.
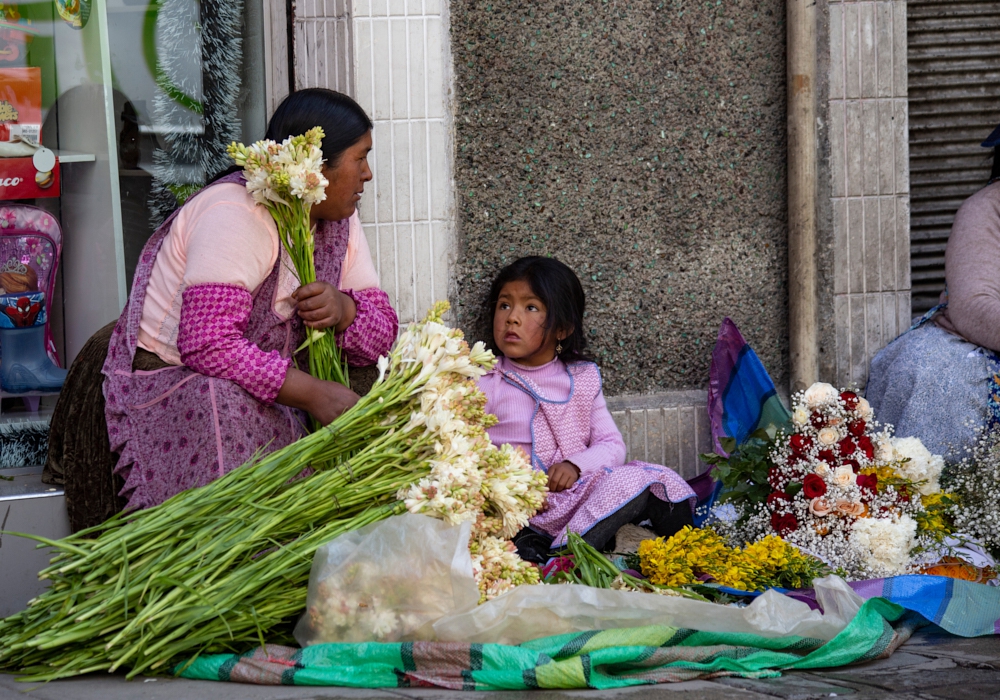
(321,305)
(562,475)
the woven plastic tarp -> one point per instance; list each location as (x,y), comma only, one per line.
(608,659)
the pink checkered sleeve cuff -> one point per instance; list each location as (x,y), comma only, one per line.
(374,329)
(211,340)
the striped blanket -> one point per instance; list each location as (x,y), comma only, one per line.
(607,659)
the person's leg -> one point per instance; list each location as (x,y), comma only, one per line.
(532,545)
(603,533)
(668,518)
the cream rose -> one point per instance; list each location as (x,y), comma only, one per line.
(819,507)
(852,508)
(800,416)
(844,476)
(822,468)
(864,409)
(819,394)
(828,436)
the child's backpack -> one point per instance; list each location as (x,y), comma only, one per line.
(30,246)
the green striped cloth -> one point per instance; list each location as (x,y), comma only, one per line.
(608,659)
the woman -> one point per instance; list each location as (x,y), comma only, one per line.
(940,381)
(199,375)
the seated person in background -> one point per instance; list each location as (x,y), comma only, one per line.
(547,397)
(940,381)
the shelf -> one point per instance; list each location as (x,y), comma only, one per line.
(10,395)
(72,157)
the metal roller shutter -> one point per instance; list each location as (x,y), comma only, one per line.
(953,62)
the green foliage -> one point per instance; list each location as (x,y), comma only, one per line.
(744,473)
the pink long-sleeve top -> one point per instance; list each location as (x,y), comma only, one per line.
(220,249)
(515,410)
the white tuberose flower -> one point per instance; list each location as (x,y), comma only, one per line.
(884,543)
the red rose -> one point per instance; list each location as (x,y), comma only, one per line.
(865,443)
(800,443)
(850,400)
(846,447)
(853,464)
(784,524)
(868,482)
(774,501)
(827,456)
(818,420)
(857,428)
(776,478)
(813,486)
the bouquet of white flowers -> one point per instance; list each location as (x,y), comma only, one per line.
(287,178)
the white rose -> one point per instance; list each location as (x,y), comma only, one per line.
(819,394)
(844,476)
(828,436)
(864,409)
(822,468)
(800,416)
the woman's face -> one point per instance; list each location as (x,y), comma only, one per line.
(347,179)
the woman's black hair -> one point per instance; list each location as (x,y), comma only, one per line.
(556,286)
(995,174)
(343,120)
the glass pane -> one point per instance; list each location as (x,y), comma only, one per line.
(188,78)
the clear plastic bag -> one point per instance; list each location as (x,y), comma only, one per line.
(409,578)
(388,582)
(529,612)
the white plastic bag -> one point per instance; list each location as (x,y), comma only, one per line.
(388,582)
(410,578)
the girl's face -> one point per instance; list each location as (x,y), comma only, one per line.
(347,179)
(519,326)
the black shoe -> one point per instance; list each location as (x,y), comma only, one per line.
(532,546)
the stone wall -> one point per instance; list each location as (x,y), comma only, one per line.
(643,143)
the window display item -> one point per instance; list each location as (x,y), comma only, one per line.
(15,34)
(74,12)
(21,104)
(30,244)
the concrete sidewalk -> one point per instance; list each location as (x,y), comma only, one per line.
(932,665)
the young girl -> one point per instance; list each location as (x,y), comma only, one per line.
(547,396)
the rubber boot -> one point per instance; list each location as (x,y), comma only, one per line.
(24,364)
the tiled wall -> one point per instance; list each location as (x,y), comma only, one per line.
(392,57)
(670,428)
(869,164)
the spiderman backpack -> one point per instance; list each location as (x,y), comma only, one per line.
(30,245)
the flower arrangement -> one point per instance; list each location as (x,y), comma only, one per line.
(838,487)
(287,179)
(216,567)
(698,555)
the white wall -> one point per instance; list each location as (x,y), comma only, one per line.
(392,56)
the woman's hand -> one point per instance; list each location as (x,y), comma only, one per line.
(562,475)
(321,305)
(323,400)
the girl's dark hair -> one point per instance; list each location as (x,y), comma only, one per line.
(558,287)
(343,121)
(995,175)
